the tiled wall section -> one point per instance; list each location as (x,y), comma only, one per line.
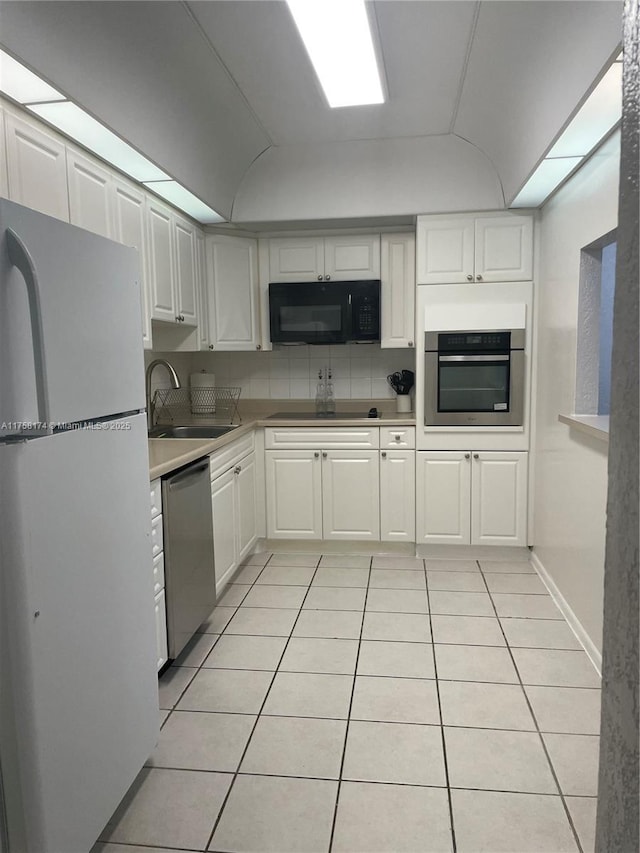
(359,371)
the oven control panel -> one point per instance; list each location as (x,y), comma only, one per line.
(474,341)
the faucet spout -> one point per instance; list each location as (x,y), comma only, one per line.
(173,378)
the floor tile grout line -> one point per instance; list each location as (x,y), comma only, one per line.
(346,731)
(539,733)
(253,728)
(444,745)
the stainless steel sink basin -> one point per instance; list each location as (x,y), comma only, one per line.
(198,431)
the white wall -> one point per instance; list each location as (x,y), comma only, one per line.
(570,467)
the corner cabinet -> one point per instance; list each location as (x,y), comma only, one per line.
(398,290)
(232,293)
(462,249)
(351,257)
(471,497)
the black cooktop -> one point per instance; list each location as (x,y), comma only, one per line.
(308,416)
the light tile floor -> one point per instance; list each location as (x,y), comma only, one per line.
(361,704)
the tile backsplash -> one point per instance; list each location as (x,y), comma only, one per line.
(359,371)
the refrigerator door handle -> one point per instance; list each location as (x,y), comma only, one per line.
(20,258)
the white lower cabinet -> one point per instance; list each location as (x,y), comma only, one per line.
(294,494)
(397,496)
(234,510)
(471,497)
(157,552)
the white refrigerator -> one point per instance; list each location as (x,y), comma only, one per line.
(78,682)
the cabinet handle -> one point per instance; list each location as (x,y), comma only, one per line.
(478,278)
(258,346)
(384,454)
(210,346)
(410,343)
(177,318)
(327,278)
(469,278)
(476,456)
(316,455)
(324,454)
(467,456)
(319,278)
(237,469)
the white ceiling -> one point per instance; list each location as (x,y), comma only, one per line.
(217,91)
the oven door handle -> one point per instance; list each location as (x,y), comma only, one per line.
(474,358)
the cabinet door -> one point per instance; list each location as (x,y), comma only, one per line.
(186,292)
(351,494)
(352,258)
(131,230)
(161,262)
(499,499)
(398,496)
(161,630)
(398,289)
(296,259)
(246,511)
(294,494)
(445,250)
(201,286)
(233,293)
(225,525)
(504,248)
(90,194)
(443,497)
(36,168)
(4,181)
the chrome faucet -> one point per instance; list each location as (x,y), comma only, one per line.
(175,383)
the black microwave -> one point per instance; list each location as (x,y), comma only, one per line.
(328,312)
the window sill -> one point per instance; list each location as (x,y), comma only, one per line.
(597,426)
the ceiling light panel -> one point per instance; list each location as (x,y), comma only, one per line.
(337,37)
(84,129)
(180,197)
(22,85)
(544,180)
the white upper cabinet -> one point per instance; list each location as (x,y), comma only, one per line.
(462,249)
(232,285)
(398,295)
(352,258)
(131,230)
(4,181)
(340,258)
(186,271)
(161,262)
(36,168)
(201,279)
(90,194)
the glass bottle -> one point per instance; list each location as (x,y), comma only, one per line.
(331,400)
(321,392)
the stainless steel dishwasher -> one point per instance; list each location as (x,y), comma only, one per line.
(188,545)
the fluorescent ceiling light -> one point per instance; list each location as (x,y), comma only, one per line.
(83,128)
(338,40)
(175,193)
(594,119)
(23,85)
(544,180)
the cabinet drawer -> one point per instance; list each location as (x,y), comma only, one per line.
(223,459)
(158,573)
(324,438)
(157,545)
(399,438)
(156,497)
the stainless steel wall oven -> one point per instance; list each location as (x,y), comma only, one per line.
(474,378)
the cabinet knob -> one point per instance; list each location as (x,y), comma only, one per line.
(469,278)
(237,469)
(384,454)
(467,456)
(319,278)
(327,278)
(410,343)
(210,346)
(177,318)
(324,454)
(478,278)
(258,346)
(397,437)
(476,456)
(317,454)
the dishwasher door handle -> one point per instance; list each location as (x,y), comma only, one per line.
(187,475)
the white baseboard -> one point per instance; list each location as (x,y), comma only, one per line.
(574,623)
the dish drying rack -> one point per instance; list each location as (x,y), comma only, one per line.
(180,405)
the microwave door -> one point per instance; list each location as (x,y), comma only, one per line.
(300,314)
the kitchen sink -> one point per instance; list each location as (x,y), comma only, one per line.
(198,431)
